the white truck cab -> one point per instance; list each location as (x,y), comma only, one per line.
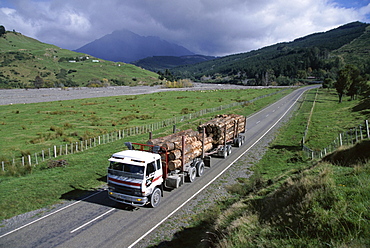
(135,178)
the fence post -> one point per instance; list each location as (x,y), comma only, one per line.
(43,155)
(37,162)
(361,137)
(29,160)
(2,165)
(340,140)
(367,129)
(55,151)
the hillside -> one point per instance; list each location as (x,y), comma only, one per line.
(23,59)
(317,55)
(126,46)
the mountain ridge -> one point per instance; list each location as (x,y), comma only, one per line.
(126,46)
(313,55)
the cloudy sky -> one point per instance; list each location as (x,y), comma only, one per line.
(210,27)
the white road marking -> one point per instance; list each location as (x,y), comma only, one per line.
(19,228)
(258,122)
(205,186)
(91,221)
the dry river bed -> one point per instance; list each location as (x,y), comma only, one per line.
(22,96)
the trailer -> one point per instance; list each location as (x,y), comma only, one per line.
(137,176)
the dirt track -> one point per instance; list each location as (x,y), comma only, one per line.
(21,96)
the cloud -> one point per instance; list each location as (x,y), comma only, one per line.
(213,27)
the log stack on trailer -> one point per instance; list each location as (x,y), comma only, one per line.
(224,128)
(191,149)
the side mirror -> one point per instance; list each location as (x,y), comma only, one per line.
(129,145)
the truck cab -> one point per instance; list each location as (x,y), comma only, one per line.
(135,178)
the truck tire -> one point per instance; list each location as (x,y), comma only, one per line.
(155,198)
(192,174)
(200,168)
(224,153)
(228,150)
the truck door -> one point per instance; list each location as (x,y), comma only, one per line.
(153,173)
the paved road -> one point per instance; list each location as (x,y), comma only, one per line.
(96,221)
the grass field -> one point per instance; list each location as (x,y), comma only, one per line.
(30,128)
(40,187)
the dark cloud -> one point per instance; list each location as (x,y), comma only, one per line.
(213,27)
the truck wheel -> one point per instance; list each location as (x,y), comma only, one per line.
(228,150)
(155,199)
(224,153)
(200,168)
(192,174)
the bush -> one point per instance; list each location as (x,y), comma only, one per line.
(57,163)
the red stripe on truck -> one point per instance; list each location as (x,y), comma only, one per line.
(124,182)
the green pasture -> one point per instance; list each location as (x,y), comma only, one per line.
(29,128)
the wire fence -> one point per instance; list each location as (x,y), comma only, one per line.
(58,150)
(348,138)
(351,137)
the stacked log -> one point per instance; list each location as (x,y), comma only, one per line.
(173,144)
(215,128)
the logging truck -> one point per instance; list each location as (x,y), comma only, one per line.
(137,176)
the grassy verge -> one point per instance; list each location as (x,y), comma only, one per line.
(290,201)
(87,170)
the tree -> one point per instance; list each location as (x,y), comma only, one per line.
(347,77)
(2,30)
(39,82)
(328,83)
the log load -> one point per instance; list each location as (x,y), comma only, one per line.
(173,144)
(215,128)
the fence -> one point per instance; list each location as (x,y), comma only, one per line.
(59,150)
(350,137)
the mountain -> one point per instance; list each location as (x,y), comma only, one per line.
(160,63)
(29,63)
(318,55)
(126,46)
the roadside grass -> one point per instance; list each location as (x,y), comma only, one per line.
(290,201)
(29,128)
(41,186)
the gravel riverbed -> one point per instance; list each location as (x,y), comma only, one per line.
(22,96)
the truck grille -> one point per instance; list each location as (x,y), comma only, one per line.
(125,189)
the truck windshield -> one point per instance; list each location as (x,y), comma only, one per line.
(129,168)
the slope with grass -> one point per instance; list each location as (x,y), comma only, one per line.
(294,202)
(23,58)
